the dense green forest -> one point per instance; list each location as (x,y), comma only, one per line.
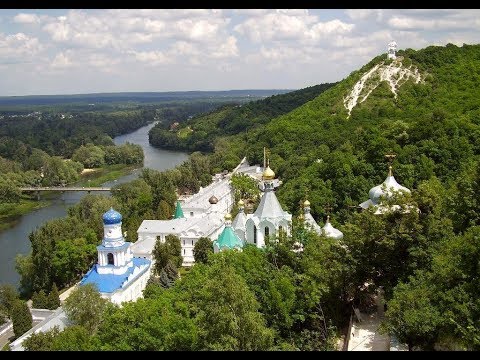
(199,132)
(277,299)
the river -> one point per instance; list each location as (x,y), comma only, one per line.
(15,241)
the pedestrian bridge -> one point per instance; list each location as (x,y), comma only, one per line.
(64,188)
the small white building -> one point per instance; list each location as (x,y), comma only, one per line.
(118,275)
(200,215)
(391,50)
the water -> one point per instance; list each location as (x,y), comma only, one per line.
(15,241)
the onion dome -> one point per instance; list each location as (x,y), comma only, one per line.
(112,217)
(306,203)
(330,231)
(241,204)
(386,188)
(213,199)
(268,174)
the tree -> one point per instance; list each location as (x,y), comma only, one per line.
(9,193)
(85,307)
(244,187)
(75,338)
(412,315)
(41,341)
(90,156)
(170,250)
(53,298)
(39,300)
(8,296)
(165,281)
(21,318)
(228,314)
(203,247)
(161,323)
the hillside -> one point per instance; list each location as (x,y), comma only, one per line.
(200,132)
(432,125)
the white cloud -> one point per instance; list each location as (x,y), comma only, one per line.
(409,23)
(228,49)
(18,47)
(23,18)
(291,45)
(61,61)
(290,25)
(251,12)
(151,57)
(364,14)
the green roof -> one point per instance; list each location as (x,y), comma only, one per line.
(178,211)
(228,239)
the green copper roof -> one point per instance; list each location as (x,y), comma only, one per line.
(228,239)
(178,211)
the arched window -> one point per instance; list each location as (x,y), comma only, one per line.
(267,231)
(110,259)
(254,234)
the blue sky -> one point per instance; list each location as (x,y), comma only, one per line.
(83,51)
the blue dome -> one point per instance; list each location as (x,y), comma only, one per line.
(112,217)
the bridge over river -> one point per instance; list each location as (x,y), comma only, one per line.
(64,188)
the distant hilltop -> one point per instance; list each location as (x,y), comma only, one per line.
(142,97)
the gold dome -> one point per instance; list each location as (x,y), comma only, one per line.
(301,217)
(228,216)
(268,174)
(306,203)
(241,203)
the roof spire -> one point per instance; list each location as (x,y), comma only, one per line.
(390,158)
(178,211)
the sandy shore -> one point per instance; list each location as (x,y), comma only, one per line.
(88,171)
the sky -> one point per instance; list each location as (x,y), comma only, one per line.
(74,51)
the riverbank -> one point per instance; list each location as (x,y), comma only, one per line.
(104,174)
(11,212)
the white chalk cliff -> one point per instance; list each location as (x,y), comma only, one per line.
(395,74)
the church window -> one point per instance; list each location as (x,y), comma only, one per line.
(184,242)
(183,251)
(158,237)
(192,242)
(254,234)
(110,259)
(267,231)
(191,213)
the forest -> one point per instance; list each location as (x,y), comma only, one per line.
(199,132)
(277,299)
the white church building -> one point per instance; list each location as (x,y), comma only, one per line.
(118,274)
(202,215)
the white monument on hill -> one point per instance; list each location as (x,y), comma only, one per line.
(392,49)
